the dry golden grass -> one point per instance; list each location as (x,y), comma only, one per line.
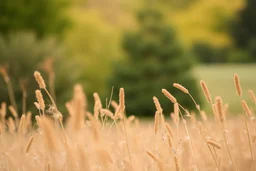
(108,140)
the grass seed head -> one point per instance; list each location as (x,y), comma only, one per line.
(219,107)
(169,96)
(180,87)
(237,85)
(157,105)
(246,109)
(206,91)
(39,80)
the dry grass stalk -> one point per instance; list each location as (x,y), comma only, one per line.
(250,144)
(246,109)
(122,110)
(42,85)
(97,105)
(29,144)
(3,71)
(215,113)
(252,95)
(11,125)
(206,91)
(237,85)
(157,105)
(107,112)
(114,104)
(23,85)
(37,105)
(221,115)
(131,119)
(176,113)
(22,124)
(170,142)
(13,112)
(157,160)
(48,167)
(180,87)
(40,100)
(47,66)
(156,123)
(169,96)
(214,144)
(200,126)
(169,129)
(203,115)
(1,129)
(219,107)
(48,132)
(3,112)
(176,161)
(39,80)
(28,123)
(121,100)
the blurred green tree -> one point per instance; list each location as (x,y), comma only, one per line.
(20,55)
(44,17)
(207,53)
(156,60)
(243,29)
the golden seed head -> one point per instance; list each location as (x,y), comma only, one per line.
(114,104)
(39,80)
(40,99)
(157,104)
(13,112)
(122,99)
(237,85)
(206,91)
(246,109)
(253,97)
(22,123)
(169,96)
(30,141)
(219,107)
(214,144)
(180,87)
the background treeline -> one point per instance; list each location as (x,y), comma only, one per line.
(92,42)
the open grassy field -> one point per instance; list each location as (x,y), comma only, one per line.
(107,140)
(219,79)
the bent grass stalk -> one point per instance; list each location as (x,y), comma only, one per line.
(250,144)
(214,158)
(221,114)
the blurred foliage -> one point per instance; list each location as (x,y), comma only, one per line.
(156,59)
(194,20)
(205,21)
(93,45)
(21,54)
(243,29)
(207,53)
(44,17)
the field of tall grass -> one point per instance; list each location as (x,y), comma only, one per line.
(106,139)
